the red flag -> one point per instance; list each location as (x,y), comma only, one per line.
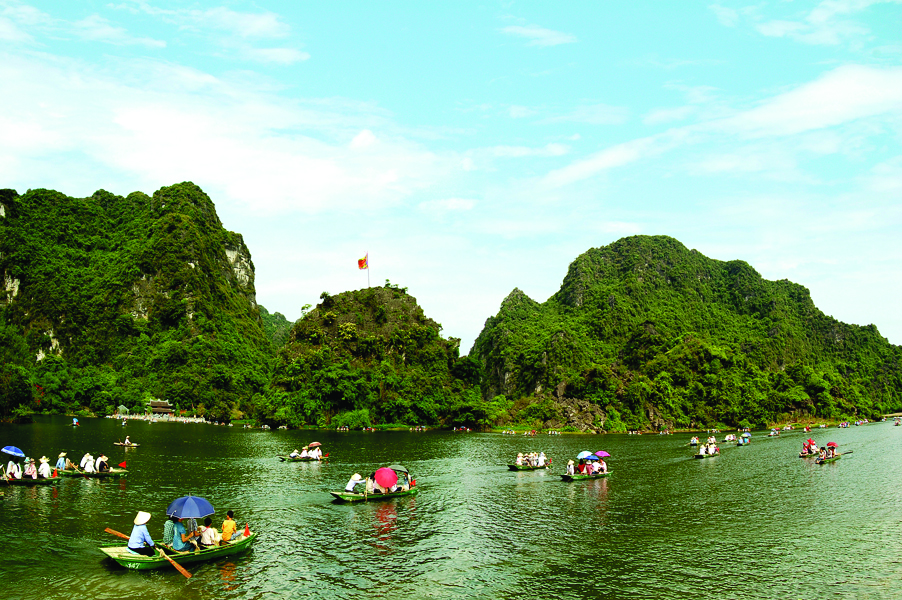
(54,472)
(364,263)
(122,464)
(247,530)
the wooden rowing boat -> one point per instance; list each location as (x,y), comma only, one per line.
(567,477)
(821,461)
(30,481)
(355,497)
(295,458)
(803,455)
(111,474)
(525,467)
(707,455)
(126,445)
(128,559)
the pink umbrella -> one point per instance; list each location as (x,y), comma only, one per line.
(602,453)
(386,477)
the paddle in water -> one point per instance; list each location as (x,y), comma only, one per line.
(177,566)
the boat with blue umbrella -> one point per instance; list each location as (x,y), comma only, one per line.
(587,456)
(186,507)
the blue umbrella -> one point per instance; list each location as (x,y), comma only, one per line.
(190,507)
(746,434)
(13,451)
(592,457)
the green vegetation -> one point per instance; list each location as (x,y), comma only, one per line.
(111,301)
(658,336)
(367,358)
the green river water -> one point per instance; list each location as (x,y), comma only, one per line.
(755,522)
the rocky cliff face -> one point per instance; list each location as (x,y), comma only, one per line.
(100,281)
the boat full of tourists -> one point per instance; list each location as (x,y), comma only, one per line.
(122,555)
(385,483)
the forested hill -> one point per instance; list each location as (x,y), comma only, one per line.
(654,334)
(110,300)
(370,357)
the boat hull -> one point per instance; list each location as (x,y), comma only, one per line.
(707,455)
(130,560)
(828,460)
(525,467)
(126,445)
(29,481)
(297,459)
(111,474)
(354,497)
(567,477)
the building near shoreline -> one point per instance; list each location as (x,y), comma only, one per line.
(160,407)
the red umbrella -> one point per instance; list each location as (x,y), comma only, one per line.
(832,444)
(810,441)
(386,477)
(313,444)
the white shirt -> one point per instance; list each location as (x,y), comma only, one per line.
(542,459)
(208,537)
(352,483)
(13,470)
(89,466)
(84,459)
(304,454)
(44,470)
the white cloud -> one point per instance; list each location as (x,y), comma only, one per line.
(845,94)
(446,205)
(10,33)
(173,124)
(234,31)
(364,139)
(829,23)
(539,36)
(615,156)
(667,115)
(518,112)
(521,151)
(281,56)
(593,114)
(98,29)
(727,16)
(262,25)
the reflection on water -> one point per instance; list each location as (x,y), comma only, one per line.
(754,522)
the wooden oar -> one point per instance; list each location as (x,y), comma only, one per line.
(177,566)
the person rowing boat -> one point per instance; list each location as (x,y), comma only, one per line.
(140,541)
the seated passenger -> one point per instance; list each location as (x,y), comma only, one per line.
(570,469)
(229,527)
(355,480)
(44,469)
(181,539)
(208,535)
(295,454)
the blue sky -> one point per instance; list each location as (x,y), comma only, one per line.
(472,148)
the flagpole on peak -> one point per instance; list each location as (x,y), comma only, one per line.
(364,263)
